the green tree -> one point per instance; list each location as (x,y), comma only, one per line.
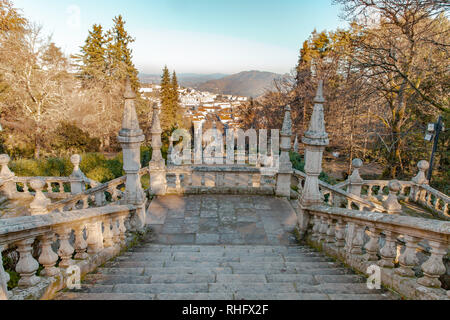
(176,101)
(166,95)
(120,55)
(92,68)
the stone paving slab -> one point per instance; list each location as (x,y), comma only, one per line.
(222,219)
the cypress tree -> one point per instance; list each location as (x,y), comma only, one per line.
(176,100)
(166,96)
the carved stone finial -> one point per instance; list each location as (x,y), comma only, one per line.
(287,122)
(129,93)
(40,202)
(5,172)
(391,204)
(316,134)
(319,96)
(296,146)
(421,177)
(130,123)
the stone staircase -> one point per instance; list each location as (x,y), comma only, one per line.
(223,272)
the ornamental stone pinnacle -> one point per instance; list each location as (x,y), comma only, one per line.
(316,134)
(130,123)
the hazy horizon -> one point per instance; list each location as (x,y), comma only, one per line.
(193,36)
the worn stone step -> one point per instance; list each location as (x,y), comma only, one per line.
(195,296)
(252,287)
(105,296)
(343,288)
(241,278)
(367,297)
(166,270)
(127,264)
(249,296)
(159,288)
(109,279)
(300,278)
(340,279)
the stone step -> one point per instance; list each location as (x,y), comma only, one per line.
(254,287)
(195,296)
(167,270)
(155,278)
(104,296)
(158,288)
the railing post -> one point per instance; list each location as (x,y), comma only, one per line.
(77,178)
(285,169)
(434,267)
(391,204)
(158,182)
(355,180)
(131,138)
(419,180)
(40,202)
(8,187)
(296,146)
(4,278)
(315,140)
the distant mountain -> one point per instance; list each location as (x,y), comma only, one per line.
(185,79)
(247,83)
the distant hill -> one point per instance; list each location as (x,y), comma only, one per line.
(185,79)
(247,83)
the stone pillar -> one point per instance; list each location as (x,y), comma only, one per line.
(285,168)
(391,204)
(355,180)
(8,187)
(315,140)
(158,182)
(77,178)
(131,138)
(419,180)
(40,202)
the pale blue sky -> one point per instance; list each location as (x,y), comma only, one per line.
(195,36)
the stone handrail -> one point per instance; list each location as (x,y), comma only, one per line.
(335,196)
(50,182)
(220,179)
(432,199)
(356,238)
(96,195)
(99,236)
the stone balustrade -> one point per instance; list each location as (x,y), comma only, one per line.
(19,188)
(336,197)
(219,180)
(364,240)
(93,235)
(417,190)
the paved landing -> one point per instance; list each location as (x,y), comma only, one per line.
(192,272)
(222,219)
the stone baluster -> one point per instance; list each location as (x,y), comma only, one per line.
(391,204)
(115,230)
(61,187)
(419,179)
(107,233)
(122,228)
(66,250)
(8,187)
(48,257)
(158,181)
(340,234)
(80,243)
(355,180)
(369,190)
(373,246)
(27,265)
(285,168)
(4,278)
(434,267)
(316,228)
(77,178)
(358,240)
(49,187)
(408,259)
(389,251)
(331,231)
(40,202)
(323,229)
(94,241)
